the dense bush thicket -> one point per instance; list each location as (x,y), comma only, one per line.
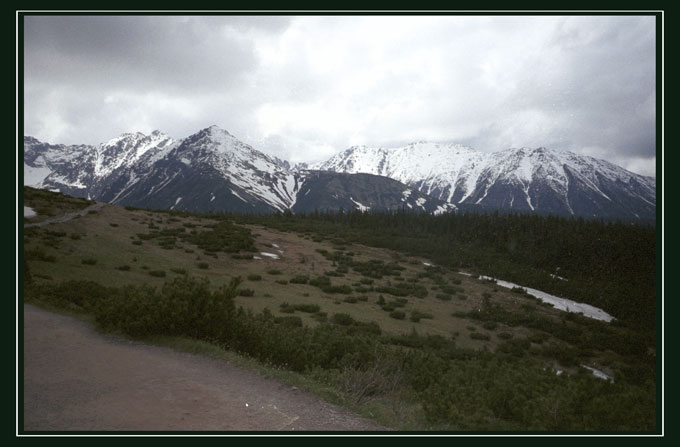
(457,388)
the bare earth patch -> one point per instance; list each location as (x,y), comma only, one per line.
(78,379)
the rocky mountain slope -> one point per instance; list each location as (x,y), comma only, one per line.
(542,180)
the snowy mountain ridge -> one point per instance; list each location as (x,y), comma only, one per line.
(522,179)
(213,170)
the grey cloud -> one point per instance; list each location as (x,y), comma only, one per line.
(194,53)
(304,87)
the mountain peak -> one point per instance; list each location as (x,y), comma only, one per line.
(126,137)
(215,129)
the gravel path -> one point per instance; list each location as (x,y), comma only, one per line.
(78,379)
(66,217)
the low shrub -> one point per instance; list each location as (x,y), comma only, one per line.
(254,277)
(342,319)
(345,290)
(203,265)
(398,315)
(286,308)
(452,290)
(514,346)
(416,316)
(538,338)
(246,292)
(321,317)
(123,268)
(479,336)
(38,254)
(88,261)
(300,279)
(404,289)
(290,321)
(490,325)
(307,308)
(157,273)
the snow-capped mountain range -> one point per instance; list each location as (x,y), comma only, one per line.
(212,170)
(524,179)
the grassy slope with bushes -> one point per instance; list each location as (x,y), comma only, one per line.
(366,322)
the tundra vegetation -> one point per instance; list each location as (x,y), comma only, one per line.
(352,307)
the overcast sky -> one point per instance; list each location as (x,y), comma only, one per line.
(304,88)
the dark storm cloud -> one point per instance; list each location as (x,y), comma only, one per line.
(194,53)
(304,88)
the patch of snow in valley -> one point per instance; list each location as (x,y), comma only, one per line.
(558,303)
(270,255)
(29,212)
(597,373)
(176,202)
(256,257)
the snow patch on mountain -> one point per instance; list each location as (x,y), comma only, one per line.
(360,207)
(34,175)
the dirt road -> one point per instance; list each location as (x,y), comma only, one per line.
(78,379)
